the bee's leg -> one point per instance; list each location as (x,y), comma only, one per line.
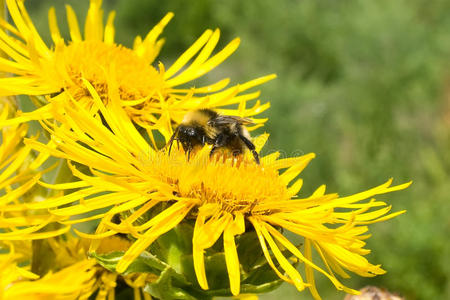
(218,142)
(213,149)
(172,138)
(189,149)
(170,146)
(204,140)
(236,152)
(250,146)
(237,157)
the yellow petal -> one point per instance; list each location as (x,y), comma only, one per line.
(188,54)
(74,29)
(53,24)
(163,222)
(109,29)
(231,257)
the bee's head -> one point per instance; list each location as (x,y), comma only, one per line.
(185,131)
(190,136)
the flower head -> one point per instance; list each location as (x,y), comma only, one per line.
(224,197)
(153,97)
(63,270)
(9,259)
(68,283)
(20,283)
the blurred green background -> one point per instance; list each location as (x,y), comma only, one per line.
(363,84)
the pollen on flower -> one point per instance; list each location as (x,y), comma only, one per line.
(95,60)
(236,186)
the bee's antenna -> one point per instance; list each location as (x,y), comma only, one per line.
(172,138)
(250,146)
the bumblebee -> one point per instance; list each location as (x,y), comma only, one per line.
(205,126)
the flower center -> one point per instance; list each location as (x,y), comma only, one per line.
(93,61)
(234,186)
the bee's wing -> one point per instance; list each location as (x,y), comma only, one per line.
(221,120)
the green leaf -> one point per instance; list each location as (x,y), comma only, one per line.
(145,263)
(166,288)
(249,251)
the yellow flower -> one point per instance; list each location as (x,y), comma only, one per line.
(152,97)
(8,264)
(67,272)
(127,175)
(19,283)
(69,251)
(18,177)
(10,271)
(68,283)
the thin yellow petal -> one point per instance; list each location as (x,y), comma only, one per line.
(309,272)
(284,263)
(96,235)
(231,257)
(93,28)
(150,47)
(65,186)
(205,235)
(204,68)
(299,255)
(20,236)
(53,25)
(109,29)
(74,29)
(165,223)
(18,192)
(296,169)
(295,187)
(188,54)
(257,225)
